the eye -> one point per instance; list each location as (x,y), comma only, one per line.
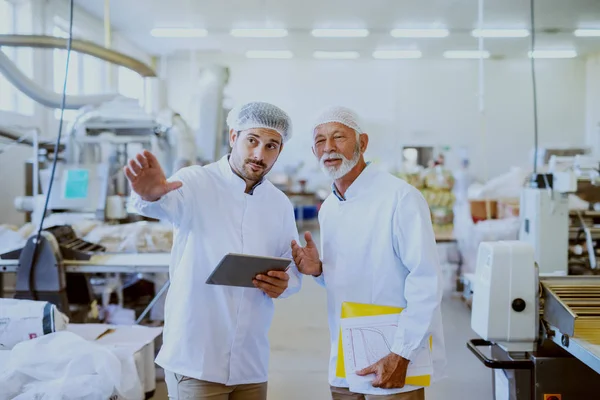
(320,141)
(338,137)
(251,140)
(272,146)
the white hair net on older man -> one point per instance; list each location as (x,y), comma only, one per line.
(338,114)
(260,115)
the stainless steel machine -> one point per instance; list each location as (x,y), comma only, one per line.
(555,233)
(539,335)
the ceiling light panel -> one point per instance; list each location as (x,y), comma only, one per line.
(336,55)
(466,54)
(259,33)
(553,53)
(420,33)
(396,54)
(500,33)
(587,33)
(340,33)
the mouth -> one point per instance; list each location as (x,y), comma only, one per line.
(332,162)
(255,167)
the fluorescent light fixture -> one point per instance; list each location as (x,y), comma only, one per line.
(500,33)
(273,54)
(259,33)
(466,54)
(396,54)
(179,32)
(340,33)
(553,54)
(336,55)
(587,32)
(419,33)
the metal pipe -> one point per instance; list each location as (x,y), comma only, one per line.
(19,138)
(39,94)
(108,41)
(80,46)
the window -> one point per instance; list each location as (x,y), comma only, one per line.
(6,26)
(87,74)
(130,84)
(16,18)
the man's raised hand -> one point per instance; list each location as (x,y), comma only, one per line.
(147,178)
(307,258)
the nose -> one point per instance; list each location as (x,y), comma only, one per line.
(329,145)
(258,153)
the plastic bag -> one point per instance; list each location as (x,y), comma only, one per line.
(10,239)
(509,185)
(64,366)
(22,320)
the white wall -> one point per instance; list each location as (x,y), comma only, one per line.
(430,102)
(592,86)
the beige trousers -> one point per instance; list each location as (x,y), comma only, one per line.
(345,394)
(183,388)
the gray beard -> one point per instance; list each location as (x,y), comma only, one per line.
(341,171)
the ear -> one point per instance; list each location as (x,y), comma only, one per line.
(313,151)
(232,137)
(363,142)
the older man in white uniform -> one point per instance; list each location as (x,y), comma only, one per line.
(215,337)
(377,247)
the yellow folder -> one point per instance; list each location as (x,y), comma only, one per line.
(353,310)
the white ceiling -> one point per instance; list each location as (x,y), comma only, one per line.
(555,22)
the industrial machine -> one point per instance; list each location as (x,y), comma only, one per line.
(544,210)
(540,335)
(60,270)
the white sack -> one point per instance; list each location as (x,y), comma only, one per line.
(22,320)
(64,366)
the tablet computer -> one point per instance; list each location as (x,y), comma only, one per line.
(240,269)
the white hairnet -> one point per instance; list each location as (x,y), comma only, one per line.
(341,115)
(260,115)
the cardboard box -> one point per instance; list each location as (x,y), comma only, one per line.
(479,209)
(508,208)
(139,340)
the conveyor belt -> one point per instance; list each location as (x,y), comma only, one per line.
(572,309)
(109,263)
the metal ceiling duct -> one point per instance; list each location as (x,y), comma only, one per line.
(80,46)
(45,97)
(52,99)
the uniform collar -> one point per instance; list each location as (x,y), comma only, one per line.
(359,183)
(234,179)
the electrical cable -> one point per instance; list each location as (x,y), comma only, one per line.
(55,161)
(533,78)
(481,95)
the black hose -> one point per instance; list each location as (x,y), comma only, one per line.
(32,286)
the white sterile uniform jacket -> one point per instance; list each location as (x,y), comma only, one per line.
(219,333)
(378,247)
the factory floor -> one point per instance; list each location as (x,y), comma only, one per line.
(299,352)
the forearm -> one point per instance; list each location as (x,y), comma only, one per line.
(167,208)
(417,250)
(423,296)
(294,283)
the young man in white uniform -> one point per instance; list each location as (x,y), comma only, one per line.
(215,343)
(377,247)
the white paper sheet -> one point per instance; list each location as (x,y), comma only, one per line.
(366,340)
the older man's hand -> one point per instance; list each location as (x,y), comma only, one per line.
(307,258)
(273,283)
(390,372)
